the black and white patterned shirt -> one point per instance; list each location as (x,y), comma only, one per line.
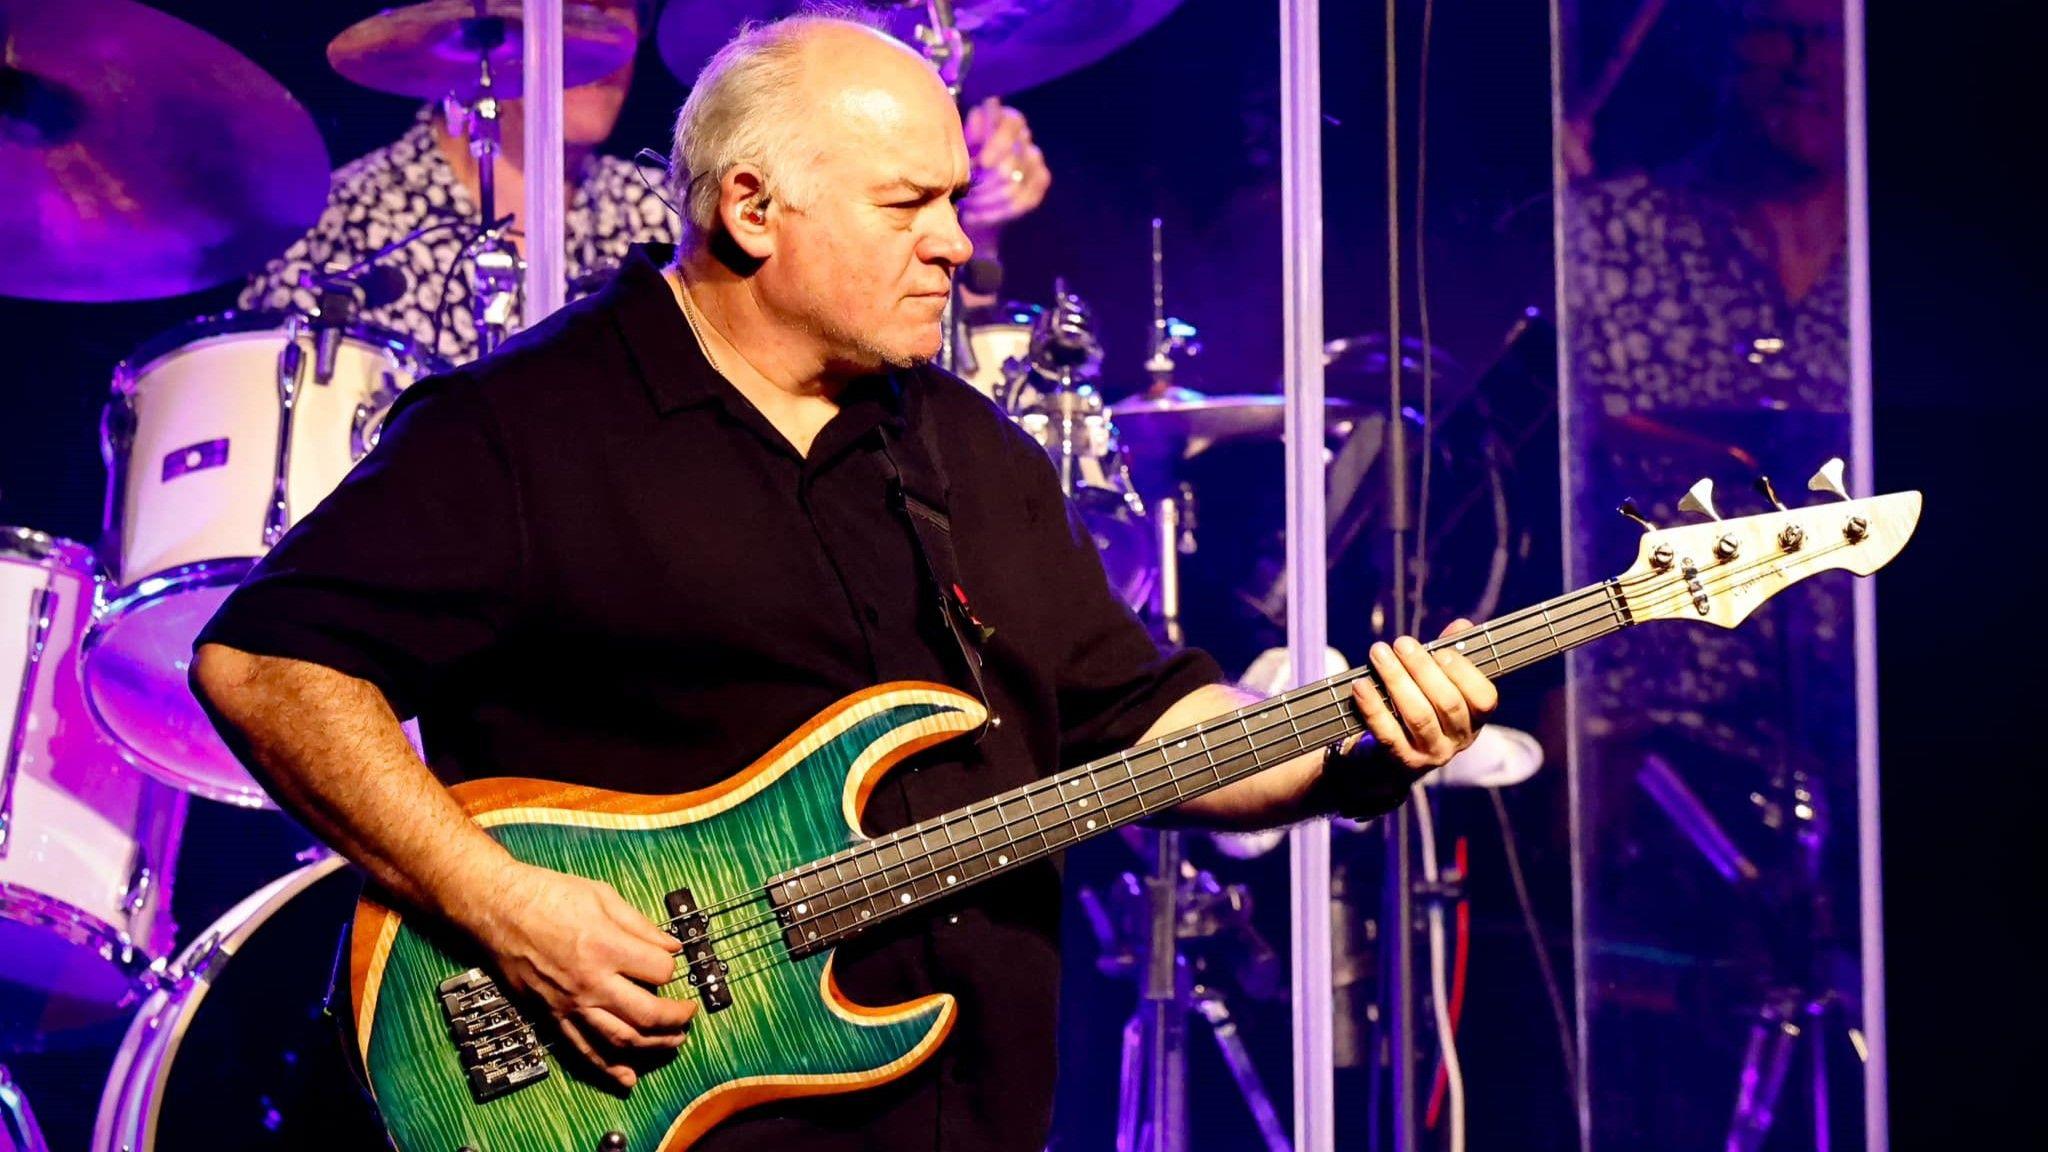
(1688,359)
(408,184)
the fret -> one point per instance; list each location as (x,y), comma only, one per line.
(1118,799)
(948,869)
(1173,772)
(1145,785)
(1083,806)
(1016,829)
(1545,610)
(988,832)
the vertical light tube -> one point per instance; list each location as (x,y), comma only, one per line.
(1869,841)
(543,214)
(1301,231)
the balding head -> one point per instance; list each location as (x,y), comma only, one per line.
(779,94)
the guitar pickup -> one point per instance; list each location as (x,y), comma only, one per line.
(496,1046)
(701,965)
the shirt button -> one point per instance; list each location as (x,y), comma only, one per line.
(952,919)
(873,617)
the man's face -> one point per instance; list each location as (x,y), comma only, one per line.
(865,263)
(1789,80)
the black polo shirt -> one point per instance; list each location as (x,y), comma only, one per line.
(589,558)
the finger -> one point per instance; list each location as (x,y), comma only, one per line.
(1479,693)
(1417,714)
(1453,718)
(1373,707)
(638,960)
(578,1040)
(634,921)
(657,1019)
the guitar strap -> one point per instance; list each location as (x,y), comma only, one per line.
(919,492)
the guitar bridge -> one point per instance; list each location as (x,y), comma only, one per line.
(701,965)
(497,1047)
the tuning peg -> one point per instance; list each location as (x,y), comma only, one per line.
(1699,500)
(1764,489)
(1829,479)
(1629,509)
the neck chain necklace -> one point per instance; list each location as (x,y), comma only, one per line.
(690,318)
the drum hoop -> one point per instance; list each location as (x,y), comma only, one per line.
(139,363)
(180,990)
(144,592)
(169,582)
(79,928)
(46,551)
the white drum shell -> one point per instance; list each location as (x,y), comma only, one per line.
(193,447)
(200,469)
(133,1096)
(85,871)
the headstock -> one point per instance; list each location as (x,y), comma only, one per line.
(1721,570)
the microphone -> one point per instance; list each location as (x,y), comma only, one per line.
(982,276)
(342,297)
(382,285)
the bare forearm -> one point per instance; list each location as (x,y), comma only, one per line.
(1281,794)
(331,751)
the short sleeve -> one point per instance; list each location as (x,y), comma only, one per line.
(409,569)
(1111,678)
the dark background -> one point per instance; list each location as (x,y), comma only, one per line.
(1182,125)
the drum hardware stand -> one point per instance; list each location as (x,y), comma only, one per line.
(42,614)
(1802,1007)
(18,1130)
(1178,903)
(495,266)
(1169,336)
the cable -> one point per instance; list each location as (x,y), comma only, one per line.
(1566,1046)
(1422,564)
(1461,958)
(1446,1030)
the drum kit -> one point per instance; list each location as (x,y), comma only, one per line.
(222,433)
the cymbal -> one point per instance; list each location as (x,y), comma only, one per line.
(142,157)
(1183,423)
(431,50)
(1018,44)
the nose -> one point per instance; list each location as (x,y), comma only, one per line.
(947,243)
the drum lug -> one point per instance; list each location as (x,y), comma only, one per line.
(42,613)
(368,423)
(204,955)
(291,362)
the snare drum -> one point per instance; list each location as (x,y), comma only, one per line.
(88,847)
(219,437)
(233,1050)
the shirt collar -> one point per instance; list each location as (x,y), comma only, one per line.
(672,364)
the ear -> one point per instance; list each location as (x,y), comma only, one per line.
(746,211)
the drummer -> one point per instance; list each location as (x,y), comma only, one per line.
(429,175)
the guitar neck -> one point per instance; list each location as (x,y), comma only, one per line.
(843,894)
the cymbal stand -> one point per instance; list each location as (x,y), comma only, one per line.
(950,51)
(494,297)
(18,1130)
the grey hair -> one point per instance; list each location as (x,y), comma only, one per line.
(746,108)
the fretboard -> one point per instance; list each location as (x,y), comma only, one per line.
(835,898)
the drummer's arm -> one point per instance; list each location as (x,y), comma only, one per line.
(1010,181)
(1440,699)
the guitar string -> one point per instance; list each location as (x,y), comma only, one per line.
(1682,595)
(1500,649)
(1338,706)
(872,847)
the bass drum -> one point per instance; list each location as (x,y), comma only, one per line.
(235,1050)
